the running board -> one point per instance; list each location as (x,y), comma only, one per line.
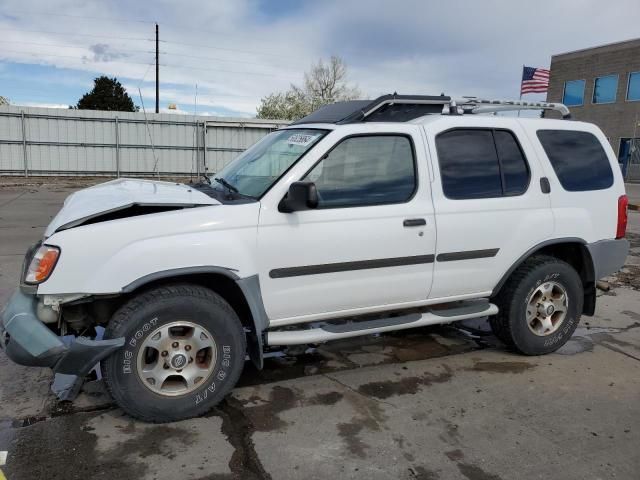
(335,331)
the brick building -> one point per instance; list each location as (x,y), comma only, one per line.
(602,85)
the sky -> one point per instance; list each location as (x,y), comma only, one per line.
(238,51)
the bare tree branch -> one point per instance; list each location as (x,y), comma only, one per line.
(324,83)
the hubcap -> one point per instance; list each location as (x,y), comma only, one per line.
(547,308)
(176,358)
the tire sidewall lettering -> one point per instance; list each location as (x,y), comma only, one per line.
(219,376)
(132,345)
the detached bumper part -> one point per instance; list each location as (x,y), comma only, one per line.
(28,341)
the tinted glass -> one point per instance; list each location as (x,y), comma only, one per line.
(604,90)
(573,92)
(633,90)
(578,159)
(468,164)
(513,163)
(366,171)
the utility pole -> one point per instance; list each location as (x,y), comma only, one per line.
(157,72)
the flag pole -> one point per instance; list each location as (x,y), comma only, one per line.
(521,73)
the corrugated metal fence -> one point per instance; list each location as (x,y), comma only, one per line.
(44,141)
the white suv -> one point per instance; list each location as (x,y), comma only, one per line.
(364,217)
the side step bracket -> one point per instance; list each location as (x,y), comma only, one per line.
(431,316)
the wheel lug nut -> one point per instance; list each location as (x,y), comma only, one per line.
(187,347)
(164,353)
(174,344)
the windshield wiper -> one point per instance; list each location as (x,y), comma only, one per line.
(226,184)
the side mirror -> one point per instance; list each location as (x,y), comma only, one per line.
(301,196)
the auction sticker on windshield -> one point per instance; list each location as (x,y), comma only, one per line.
(301,139)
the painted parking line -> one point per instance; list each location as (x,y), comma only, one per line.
(3,460)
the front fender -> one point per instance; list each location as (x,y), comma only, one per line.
(106,258)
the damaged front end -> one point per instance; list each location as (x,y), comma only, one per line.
(28,341)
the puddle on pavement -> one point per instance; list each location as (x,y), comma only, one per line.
(394,347)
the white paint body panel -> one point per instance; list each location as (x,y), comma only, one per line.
(334,235)
(511,224)
(256,238)
(123,192)
(105,257)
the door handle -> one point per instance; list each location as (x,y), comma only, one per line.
(414,222)
(545,186)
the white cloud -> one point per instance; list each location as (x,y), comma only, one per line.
(237,53)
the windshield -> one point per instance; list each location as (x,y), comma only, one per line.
(259,167)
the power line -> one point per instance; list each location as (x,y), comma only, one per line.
(77,34)
(190,67)
(115,60)
(210,47)
(228,49)
(59,45)
(127,50)
(215,59)
(49,14)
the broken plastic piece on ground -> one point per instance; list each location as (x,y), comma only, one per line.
(66,387)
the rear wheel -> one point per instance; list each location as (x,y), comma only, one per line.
(184,351)
(540,306)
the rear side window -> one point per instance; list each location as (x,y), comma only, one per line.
(578,159)
(481,163)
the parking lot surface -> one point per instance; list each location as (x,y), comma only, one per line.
(447,402)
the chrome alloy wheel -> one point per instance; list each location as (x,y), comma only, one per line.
(176,358)
(547,308)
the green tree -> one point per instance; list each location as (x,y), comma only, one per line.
(107,94)
(4,100)
(325,83)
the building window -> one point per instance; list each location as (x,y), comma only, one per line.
(573,93)
(633,88)
(604,89)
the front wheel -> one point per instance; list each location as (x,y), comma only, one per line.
(184,351)
(540,306)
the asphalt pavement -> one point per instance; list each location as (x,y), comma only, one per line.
(434,403)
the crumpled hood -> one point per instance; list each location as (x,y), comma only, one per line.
(119,194)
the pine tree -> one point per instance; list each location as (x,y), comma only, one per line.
(107,94)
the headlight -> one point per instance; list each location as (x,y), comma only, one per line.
(42,264)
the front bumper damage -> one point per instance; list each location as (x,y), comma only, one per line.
(27,341)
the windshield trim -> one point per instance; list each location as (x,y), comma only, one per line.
(324,131)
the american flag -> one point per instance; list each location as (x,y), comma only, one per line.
(534,80)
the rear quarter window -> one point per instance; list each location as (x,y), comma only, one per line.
(578,159)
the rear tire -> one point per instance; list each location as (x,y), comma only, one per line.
(540,306)
(184,351)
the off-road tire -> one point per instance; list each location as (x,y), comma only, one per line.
(138,318)
(510,324)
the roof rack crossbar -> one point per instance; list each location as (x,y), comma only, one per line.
(482,105)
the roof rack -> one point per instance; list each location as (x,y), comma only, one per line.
(387,108)
(482,105)
(403,108)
